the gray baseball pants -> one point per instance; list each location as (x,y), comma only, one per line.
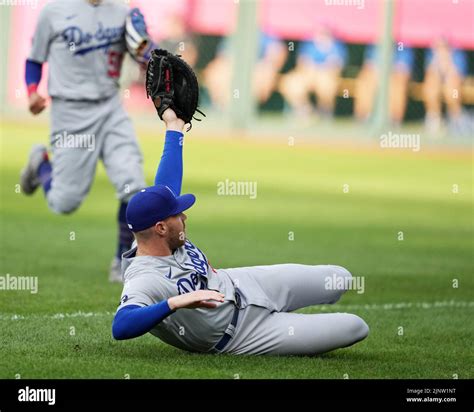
(82,132)
(262,330)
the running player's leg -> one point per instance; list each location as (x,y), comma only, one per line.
(123,162)
(75,144)
(293,286)
(260,331)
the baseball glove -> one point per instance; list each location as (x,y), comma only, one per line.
(171,83)
(137,40)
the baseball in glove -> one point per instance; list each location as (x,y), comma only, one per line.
(171,83)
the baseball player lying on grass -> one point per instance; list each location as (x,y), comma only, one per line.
(172,291)
(84,42)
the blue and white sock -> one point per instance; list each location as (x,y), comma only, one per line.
(45,171)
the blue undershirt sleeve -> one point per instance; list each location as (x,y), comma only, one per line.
(33,71)
(170,170)
(133,320)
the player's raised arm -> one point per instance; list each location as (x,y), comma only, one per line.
(170,169)
(172,86)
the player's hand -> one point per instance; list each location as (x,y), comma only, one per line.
(197,299)
(172,121)
(36,103)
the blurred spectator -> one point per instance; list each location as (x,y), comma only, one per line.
(218,73)
(217,76)
(318,69)
(178,39)
(445,70)
(368,79)
(271,59)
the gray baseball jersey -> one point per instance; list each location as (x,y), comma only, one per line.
(267,294)
(151,279)
(84,46)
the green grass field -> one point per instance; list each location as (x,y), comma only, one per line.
(408,283)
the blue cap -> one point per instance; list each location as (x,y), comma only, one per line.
(154,204)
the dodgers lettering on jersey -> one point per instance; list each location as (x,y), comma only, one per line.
(199,264)
(84,46)
(85,42)
(151,279)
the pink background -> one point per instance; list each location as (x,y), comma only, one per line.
(416,23)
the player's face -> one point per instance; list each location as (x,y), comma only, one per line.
(177,230)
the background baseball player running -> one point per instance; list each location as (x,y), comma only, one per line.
(84,43)
(239,311)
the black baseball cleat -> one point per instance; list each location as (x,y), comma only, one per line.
(29,180)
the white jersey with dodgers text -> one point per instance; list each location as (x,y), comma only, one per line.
(84,46)
(152,279)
